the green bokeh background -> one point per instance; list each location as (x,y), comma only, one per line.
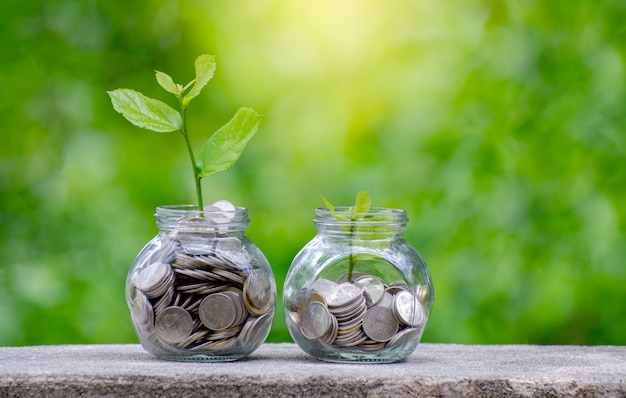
(499,126)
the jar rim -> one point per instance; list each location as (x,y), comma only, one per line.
(376,216)
(373,211)
(189,207)
(172,215)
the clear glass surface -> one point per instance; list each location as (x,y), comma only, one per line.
(201,290)
(358,292)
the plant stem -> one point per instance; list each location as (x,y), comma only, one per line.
(196,176)
(351,258)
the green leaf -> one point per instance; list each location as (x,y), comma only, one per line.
(363,202)
(145,112)
(225,146)
(168,84)
(327,203)
(205,68)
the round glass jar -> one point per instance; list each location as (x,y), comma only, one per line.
(201,290)
(358,292)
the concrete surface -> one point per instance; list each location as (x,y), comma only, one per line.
(283,370)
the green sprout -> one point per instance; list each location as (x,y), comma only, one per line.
(223,147)
(361,207)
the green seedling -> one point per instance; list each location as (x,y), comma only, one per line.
(223,147)
(359,210)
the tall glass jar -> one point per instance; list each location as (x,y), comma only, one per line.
(201,290)
(358,292)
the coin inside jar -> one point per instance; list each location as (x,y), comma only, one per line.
(155,279)
(379,324)
(315,320)
(217,311)
(174,325)
(220,212)
(373,289)
(141,309)
(257,292)
(323,286)
(344,294)
(407,309)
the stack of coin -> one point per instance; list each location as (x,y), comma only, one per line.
(365,314)
(348,305)
(223,310)
(209,302)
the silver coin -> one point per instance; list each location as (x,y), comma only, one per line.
(224,334)
(185,261)
(293,317)
(193,305)
(332,332)
(154,279)
(347,313)
(220,212)
(397,287)
(353,339)
(193,339)
(421,292)
(164,301)
(350,310)
(220,345)
(371,345)
(379,324)
(207,261)
(323,286)
(373,289)
(257,291)
(407,309)
(229,276)
(403,337)
(225,205)
(344,294)
(141,310)
(251,329)
(240,308)
(353,320)
(315,320)
(386,301)
(345,328)
(199,274)
(200,288)
(173,325)
(217,311)
(299,300)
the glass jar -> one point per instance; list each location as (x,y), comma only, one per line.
(201,290)
(358,292)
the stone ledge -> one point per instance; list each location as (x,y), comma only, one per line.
(283,370)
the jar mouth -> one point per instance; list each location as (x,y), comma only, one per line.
(184,215)
(376,221)
(375,214)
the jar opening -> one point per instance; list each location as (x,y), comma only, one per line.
(378,222)
(188,216)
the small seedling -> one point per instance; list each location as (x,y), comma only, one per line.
(359,210)
(220,151)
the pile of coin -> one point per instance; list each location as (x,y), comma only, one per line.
(211,302)
(364,314)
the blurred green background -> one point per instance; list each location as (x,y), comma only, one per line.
(499,126)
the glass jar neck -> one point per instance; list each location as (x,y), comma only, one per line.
(378,223)
(189,218)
